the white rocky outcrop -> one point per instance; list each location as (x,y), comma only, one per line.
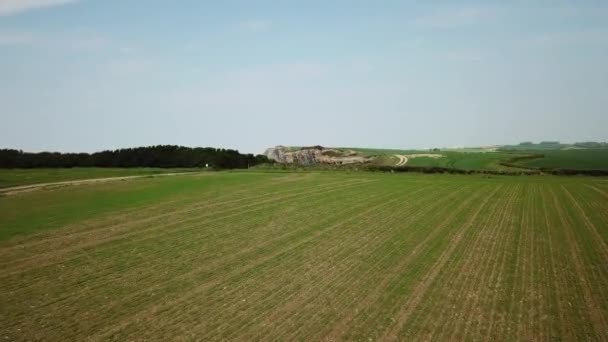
(313,155)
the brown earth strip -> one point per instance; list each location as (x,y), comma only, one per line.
(455,282)
(488,286)
(590,226)
(595,312)
(344,281)
(92,240)
(475,269)
(148,215)
(177,280)
(337,260)
(420,289)
(149,312)
(598,190)
(340,328)
(326,251)
(140,265)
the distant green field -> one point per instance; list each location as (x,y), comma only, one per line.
(449,159)
(465,160)
(17,177)
(535,147)
(89,201)
(583,159)
(312,256)
(480,159)
(377,151)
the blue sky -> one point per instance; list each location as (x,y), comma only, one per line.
(89,75)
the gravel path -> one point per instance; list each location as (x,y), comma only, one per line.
(402,160)
(26,188)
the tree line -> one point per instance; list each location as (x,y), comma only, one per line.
(165,156)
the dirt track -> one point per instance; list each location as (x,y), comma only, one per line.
(402,160)
(26,188)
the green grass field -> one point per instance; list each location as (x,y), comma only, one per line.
(18,177)
(307,256)
(476,159)
(378,151)
(575,159)
(590,159)
(463,159)
(466,160)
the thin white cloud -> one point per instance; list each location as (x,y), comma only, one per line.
(454,17)
(126,50)
(465,55)
(84,42)
(67,42)
(574,37)
(15,38)
(12,7)
(129,66)
(256,25)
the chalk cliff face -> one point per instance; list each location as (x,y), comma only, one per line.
(313,155)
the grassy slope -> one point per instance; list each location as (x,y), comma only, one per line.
(89,201)
(476,159)
(17,177)
(465,159)
(378,151)
(536,147)
(327,256)
(457,160)
(589,159)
